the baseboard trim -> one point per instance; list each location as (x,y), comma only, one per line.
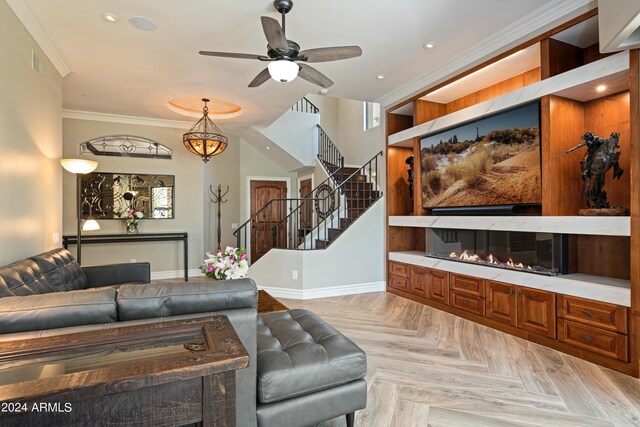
(175,274)
(333,291)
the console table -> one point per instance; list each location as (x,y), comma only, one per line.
(133,238)
(160,374)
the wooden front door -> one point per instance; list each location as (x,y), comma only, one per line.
(306,210)
(268,228)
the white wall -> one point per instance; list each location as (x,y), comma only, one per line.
(296,133)
(30,145)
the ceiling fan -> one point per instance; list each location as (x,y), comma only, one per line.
(286,60)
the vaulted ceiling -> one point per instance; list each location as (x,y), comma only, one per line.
(116,68)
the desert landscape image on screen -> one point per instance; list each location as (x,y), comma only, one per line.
(492,161)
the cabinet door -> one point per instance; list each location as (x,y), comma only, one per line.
(419,281)
(501,302)
(537,311)
(438,289)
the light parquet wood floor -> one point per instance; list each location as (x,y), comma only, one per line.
(428,367)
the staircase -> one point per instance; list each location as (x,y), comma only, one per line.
(330,208)
(359,194)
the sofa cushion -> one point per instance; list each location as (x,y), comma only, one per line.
(298,353)
(23,278)
(176,298)
(62,271)
(57,310)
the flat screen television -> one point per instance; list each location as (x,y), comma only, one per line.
(488,162)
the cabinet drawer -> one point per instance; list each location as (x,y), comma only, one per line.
(607,343)
(399,283)
(595,313)
(398,269)
(466,302)
(468,285)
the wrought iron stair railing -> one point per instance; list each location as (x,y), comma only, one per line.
(328,154)
(305,106)
(323,217)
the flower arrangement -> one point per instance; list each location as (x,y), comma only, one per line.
(228,264)
(133,216)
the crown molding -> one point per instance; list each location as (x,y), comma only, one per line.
(130,120)
(535,23)
(40,35)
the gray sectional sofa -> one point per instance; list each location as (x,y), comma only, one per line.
(304,370)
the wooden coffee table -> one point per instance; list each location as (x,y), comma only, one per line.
(268,304)
(161,374)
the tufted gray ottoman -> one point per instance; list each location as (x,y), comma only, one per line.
(308,372)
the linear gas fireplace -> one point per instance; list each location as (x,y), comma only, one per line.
(540,253)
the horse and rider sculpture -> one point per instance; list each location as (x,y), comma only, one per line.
(601,156)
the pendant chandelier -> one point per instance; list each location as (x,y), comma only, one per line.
(205,139)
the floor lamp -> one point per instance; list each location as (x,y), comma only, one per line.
(79,167)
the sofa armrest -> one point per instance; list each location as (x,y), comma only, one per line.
(57,310)
(117,274)
(176,298)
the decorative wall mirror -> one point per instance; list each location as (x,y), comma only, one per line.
(109,195)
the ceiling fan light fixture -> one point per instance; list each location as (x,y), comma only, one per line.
(283,70)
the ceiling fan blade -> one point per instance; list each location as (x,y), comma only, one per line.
(326,54)
(274,34)
(260,78)
(314,76)
(231,55)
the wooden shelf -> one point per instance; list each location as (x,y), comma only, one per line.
(576,84)
(606,289)
(583,225)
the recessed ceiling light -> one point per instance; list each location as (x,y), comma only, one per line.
(142,23)
(429,45)
(110,17)
(268,148)
(601,88)
(381,76)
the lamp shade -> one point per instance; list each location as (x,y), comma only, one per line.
(283,70)
(79,166)
(90,225)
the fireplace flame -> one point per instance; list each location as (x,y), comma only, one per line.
(490,259)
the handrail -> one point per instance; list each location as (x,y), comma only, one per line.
(327,150)
(336,190)
(305,106)
(339,187)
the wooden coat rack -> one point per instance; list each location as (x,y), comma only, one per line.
(218,199)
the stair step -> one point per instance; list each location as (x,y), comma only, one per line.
(357,186)
(353,213)
(359,203)
(345,222)
(366,192)
(322,244)
(334,233)
(347,177)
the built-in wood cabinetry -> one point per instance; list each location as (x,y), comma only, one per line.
(438,289)
(537,311)
(607,333)
(501,304)
(568,321)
